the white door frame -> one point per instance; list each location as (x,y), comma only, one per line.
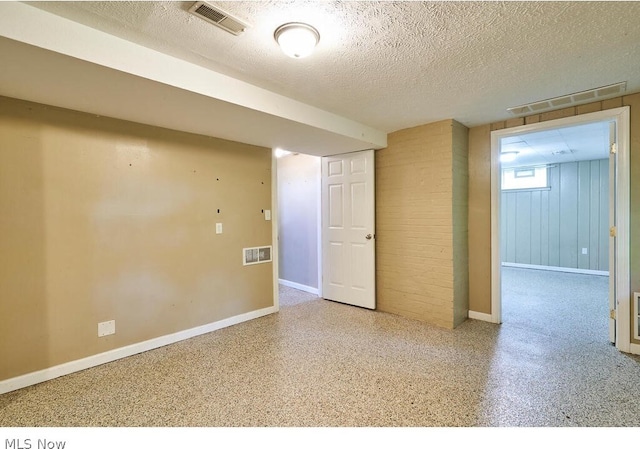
(275,228)
(275,235)
(319,226)
(623,300)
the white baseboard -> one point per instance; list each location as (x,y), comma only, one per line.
(549,268)
(304,288)
(480,316)
(634,348)
(36,377)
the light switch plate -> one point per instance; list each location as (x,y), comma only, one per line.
(267,214)
(218,228)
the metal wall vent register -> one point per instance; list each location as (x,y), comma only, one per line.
(587,96)
(218,17)
(259,254)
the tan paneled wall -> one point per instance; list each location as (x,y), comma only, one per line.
(103,219)
(414,223)
(480,194)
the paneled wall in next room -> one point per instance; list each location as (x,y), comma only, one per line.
(566,225)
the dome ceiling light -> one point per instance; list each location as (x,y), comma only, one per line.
(508,156)
(297,40)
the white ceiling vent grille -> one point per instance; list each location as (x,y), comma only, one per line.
(587,96)
(218,17)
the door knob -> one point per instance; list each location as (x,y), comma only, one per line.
(368,236)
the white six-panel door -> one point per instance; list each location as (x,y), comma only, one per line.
(348,229)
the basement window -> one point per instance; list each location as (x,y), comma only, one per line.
(525,178)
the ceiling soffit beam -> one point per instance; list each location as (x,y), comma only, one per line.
(39,28)
(79,85)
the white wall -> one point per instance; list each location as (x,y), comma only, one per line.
(298,208)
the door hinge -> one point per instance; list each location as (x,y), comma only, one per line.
(614,148)
(612,314)
(613,231)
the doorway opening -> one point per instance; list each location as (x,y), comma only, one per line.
(298,228)
(325,226)
(557,192)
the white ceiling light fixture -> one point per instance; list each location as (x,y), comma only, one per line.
(279,152)
(508,156)
(297,40)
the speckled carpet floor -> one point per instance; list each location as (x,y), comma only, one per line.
(320,363)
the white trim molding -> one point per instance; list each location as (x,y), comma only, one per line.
(636,315)
(634,348)
(481,316)
(319,222)
(275,229)
(54,372)
(304,288)
(551,268)
(623,282)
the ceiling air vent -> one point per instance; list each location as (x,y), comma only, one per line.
(218,17)
(586,96)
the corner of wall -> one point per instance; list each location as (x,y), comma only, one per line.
(479,218)
(460,148)
(415,224)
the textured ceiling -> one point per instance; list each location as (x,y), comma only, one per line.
(393,65)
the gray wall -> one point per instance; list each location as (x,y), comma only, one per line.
(298,221)
(550,227)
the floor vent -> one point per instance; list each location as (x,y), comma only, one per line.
(218,17)
(587,96)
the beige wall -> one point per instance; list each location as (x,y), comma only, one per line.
(417,201)
(480,219)
(103,219)
(480,195)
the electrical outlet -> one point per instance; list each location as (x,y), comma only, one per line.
(218,228)
(106,328)
(585,251)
